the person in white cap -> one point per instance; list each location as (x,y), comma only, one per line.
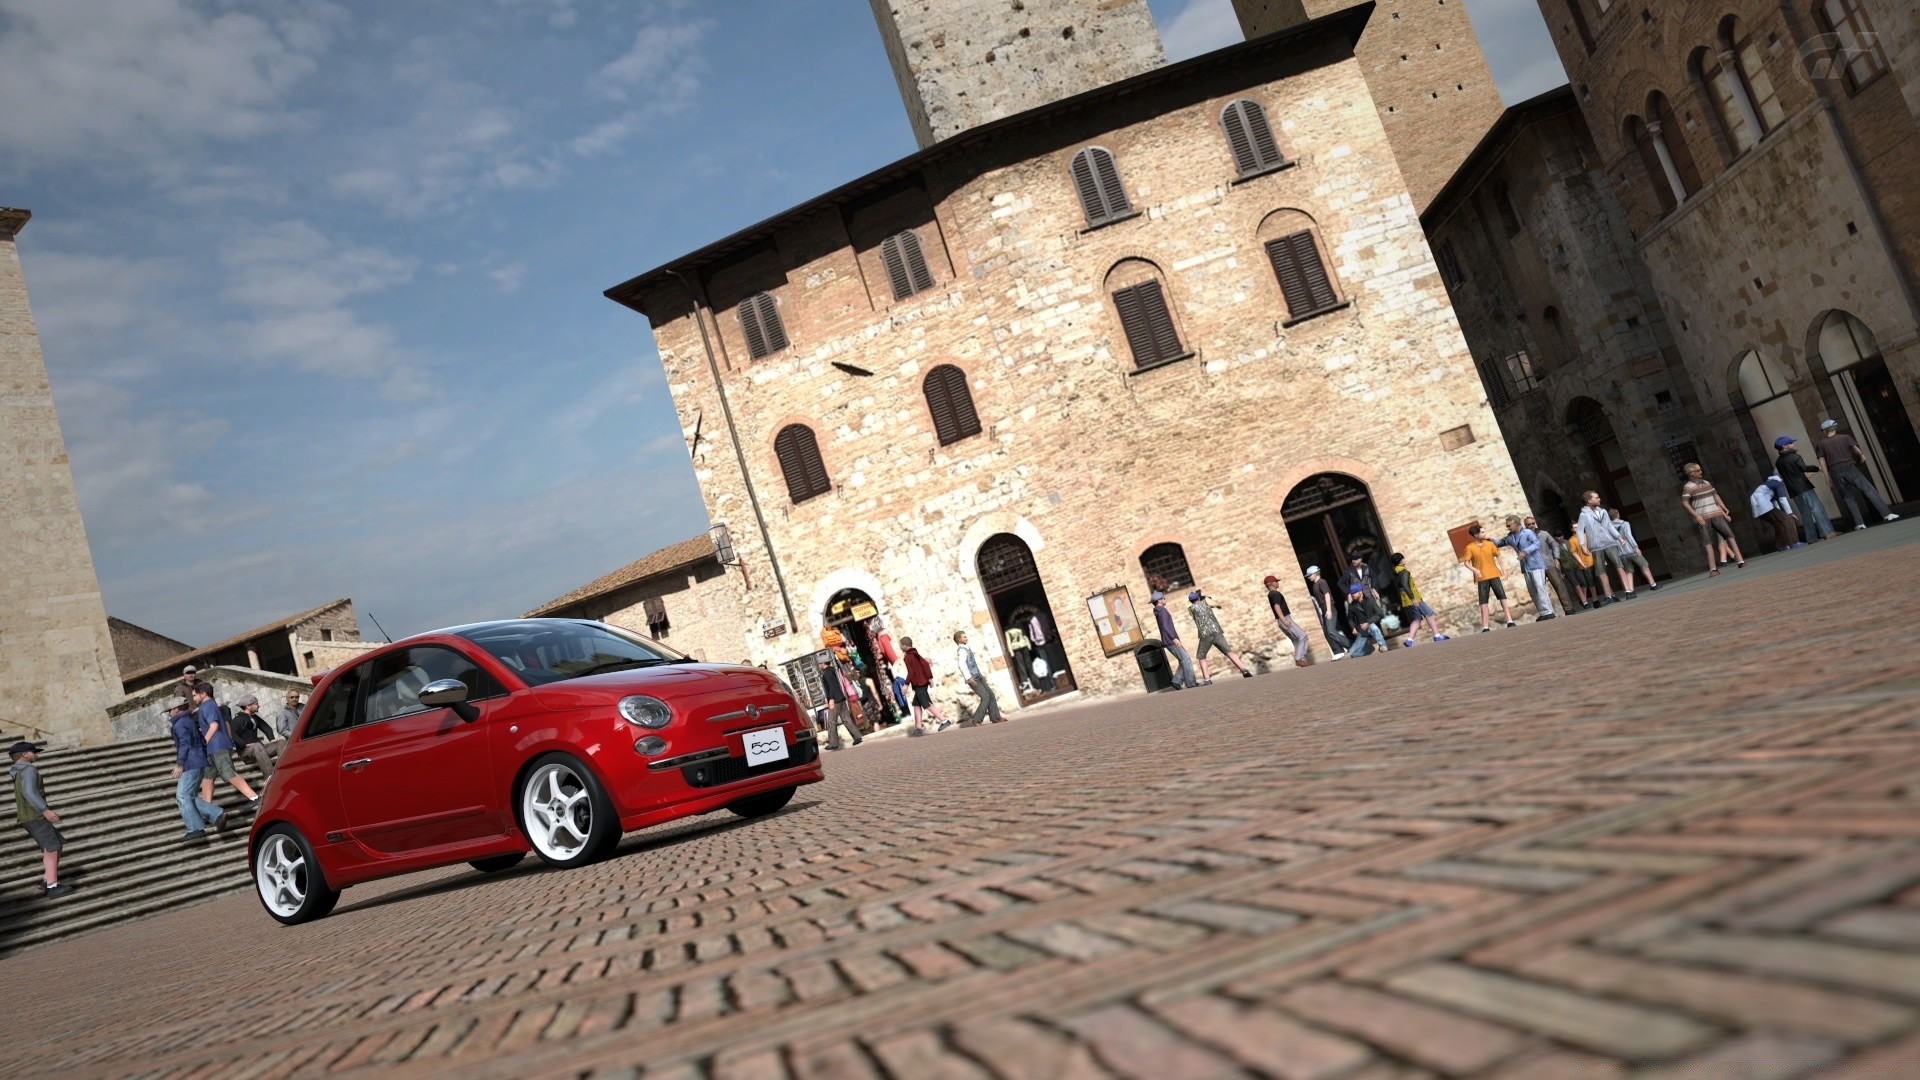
(1326,605)
(1843,458)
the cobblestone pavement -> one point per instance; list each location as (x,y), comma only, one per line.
(1677,837)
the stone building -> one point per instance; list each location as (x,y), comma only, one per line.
(57,667)
(1573,347)
(301,646)
(1183,324)
(137,647)
(679,595)
(1430,81)
(1764,154)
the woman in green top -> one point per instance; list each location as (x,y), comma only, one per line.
(1414,610)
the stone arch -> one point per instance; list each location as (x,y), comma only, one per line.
(836,581)
(988,525)
(1845,355)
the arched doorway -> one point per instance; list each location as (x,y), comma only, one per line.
(1018,600)
(1551,513)
(855,615)
(1618,488)
(1868,397)
(1767,400)
(1330,517)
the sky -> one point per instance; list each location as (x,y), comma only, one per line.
(319,281)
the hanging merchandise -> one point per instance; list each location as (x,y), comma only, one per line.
(1037,630)
(831,638)
(1040,670)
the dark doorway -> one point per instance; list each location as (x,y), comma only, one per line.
(1880,403)
(1552,514)
(1018,600)
(1618,489)
(857,617)
(1330,518)
(1870,404)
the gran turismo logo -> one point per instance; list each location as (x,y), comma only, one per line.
(1828,57)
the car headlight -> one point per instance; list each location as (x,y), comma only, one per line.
(645,711)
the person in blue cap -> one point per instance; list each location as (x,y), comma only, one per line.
(1170,637)
(1815,525)
(1363,614)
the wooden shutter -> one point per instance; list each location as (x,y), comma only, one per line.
(760,320)
(1097,177)
(1250,138)
(906,264)
(896,268)
(1303,277)
(1265,149)
(1112,192)
(800,463)
(916,260)
(1089,188)
(951,404)
(750,326)
(1148,323)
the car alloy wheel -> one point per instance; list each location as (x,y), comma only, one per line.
(288,878)
(567,818)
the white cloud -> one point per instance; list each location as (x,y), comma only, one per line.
(135,78)
(128,464)
(1201,27)
(509,277)
(560,13)
(658,75)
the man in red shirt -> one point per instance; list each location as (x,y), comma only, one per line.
(920,681)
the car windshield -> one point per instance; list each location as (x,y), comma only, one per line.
(544,651)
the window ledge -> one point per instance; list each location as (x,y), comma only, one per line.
(1268,171)
(1311,315)
(1110,221)
(1142,369)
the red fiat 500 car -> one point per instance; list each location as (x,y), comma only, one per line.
(476,743)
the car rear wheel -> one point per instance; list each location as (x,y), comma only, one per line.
(497,863)
(566,813)
(754,806)
(288,879)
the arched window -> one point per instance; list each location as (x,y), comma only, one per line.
(1729,105)
(760,321)
(1293,250)
(1668,168)
(1140,299)
(1856,48)
(951,404)
(1509,213)
(1166,567)
(906,264)
(1580,24)
(800,463)
(1097,178)
(1742,53)
(1251,139)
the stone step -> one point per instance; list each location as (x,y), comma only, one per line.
(101,856)
(173,864)
(77,914)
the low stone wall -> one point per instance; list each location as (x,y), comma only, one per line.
(143,714)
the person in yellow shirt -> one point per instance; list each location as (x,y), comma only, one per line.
(1483,556)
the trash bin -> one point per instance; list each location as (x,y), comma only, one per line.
(1155,671)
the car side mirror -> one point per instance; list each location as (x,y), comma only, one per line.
(449,694)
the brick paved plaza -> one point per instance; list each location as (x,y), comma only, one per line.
(1681,832)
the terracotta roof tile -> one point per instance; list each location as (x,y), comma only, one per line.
(194,657)
(684,553)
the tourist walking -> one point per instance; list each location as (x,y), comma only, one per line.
(1792,469)
(1710,514)
(1770,505)
(289,716)
(1302,654)
(219,748)
(1575,571)
(1170,638)
(253,739)
(1413,607)
(1525,543)
(920,683)
(839,713)
(1324,606)
(189,764)
(1603,543)
(1207,632)
(1630,550)
(988,706)
(1554,551)
(1364,614)
(34,815)
(1843,458)
(1483,556)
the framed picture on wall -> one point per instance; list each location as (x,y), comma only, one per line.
(1115,621)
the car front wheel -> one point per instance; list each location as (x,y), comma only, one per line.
(288,877)
(567,815)
(754,806)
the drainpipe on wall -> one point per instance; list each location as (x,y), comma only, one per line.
(740,455)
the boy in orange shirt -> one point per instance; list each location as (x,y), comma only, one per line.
(1483,555)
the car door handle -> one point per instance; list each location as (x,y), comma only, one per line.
(360,764)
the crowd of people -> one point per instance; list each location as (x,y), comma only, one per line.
(207,736)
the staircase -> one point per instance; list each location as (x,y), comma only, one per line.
(123,853)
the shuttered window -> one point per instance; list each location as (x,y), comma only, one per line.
(951,404)
(906,264)
(1303,277)
(1254,150)
(800,463)
(1148,323)
(760,320)
(1097,178)
(656,609)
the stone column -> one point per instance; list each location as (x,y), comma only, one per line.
(1736,79)
(1667,166)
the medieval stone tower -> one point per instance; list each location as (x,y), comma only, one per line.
(57,669)
(963,63)
(1436,96)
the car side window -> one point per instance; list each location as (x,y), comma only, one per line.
(398,678)
(335,710)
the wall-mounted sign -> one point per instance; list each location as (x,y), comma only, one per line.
(1115,621)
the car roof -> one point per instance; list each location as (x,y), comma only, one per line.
(465,629)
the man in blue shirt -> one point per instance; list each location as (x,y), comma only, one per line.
(189,762)
(213,727)
(1533,564)
(1170,637)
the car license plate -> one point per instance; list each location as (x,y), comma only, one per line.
(767,744)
